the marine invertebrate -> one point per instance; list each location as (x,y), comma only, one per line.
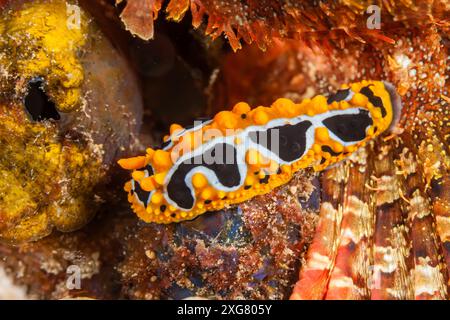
(384,213)
(59,133)
(242,153)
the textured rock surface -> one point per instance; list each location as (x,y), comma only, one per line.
(59,131)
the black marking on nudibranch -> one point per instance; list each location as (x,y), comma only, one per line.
(350,127)
(330,151)
(142,195)
(265,180)
(227,172)
(376,101)
(150,170)
(292,140)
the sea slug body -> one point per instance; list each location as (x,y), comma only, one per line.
(247,152)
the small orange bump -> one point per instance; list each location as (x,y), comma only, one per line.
(127,186)
(132,163)
(344,105)
(273,167)
(207,194)
(160,177)
(322,134)
(310,112)
(305,102)
(241,108)
(150,153)
(138,175)
(319,104)
(284,105)
(350,148)
(183,214)
(249,180)
(252,157)
(175,128)
(334,105)
(166,137)
(148,184)
(199,180)
(226,120)
(337,147)
(299,108)
(172,208)
(355,87)
(359,99)
(316,148)
(221,194)
(260,117)
(161,159)
(157,198)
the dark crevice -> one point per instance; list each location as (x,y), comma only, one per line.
(38,104)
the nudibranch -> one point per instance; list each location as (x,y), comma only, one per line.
(246,152)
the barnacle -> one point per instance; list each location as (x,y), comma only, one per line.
(54,124)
